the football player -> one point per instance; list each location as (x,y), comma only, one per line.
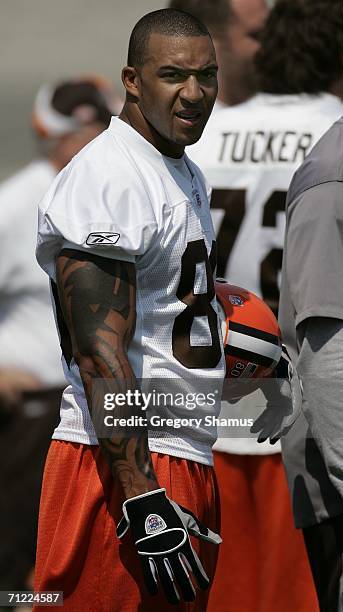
(66,116)
(255,148)
(126,237)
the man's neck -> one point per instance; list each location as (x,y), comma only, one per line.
(132,115)
(237,93)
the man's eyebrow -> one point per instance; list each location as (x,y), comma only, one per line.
(181,69)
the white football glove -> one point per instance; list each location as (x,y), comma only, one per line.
(284,396)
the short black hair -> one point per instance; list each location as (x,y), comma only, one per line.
(301,47)
(215,14)
(169,22)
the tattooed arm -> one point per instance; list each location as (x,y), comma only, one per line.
(98,300)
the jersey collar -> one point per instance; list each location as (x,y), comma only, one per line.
(131,136)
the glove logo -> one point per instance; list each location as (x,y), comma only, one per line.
(154,523)
(102,238)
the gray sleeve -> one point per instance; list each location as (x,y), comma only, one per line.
(314,244)
(320,367)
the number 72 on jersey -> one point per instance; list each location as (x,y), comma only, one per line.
(250,240)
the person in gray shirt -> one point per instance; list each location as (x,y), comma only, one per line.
(311,320)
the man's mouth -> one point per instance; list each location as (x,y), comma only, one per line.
(189,117)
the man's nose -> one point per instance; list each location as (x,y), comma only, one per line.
(191,91)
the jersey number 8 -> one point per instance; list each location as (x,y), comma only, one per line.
(197,305)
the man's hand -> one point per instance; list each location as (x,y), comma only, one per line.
(161,530)
(284,401)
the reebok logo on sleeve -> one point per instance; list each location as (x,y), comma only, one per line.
(102,238)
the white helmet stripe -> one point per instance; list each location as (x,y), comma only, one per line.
(54,122)
(254,345)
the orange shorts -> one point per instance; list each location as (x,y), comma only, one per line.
(77,550)
(262,564)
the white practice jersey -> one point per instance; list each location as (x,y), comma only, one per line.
(28,338)
(120,198)
(249,154)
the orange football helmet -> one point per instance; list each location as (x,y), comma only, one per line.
(251,334)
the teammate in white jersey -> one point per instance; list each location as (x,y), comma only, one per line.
(255,149)
(31,375)
(126,237)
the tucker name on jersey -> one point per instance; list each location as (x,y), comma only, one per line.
(255,149)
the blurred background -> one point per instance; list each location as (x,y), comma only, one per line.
(43,41)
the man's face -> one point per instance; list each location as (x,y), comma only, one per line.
(236,49)
(177,86)
(248,20)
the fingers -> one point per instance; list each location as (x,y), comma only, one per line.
(173,574)
(271,433)
(204,533)
(181,573)
(262,422)
(158,572)
(195,527)
(210,536)
(270,424)
(166,577)
(267,432)
(194,563)
(150,574)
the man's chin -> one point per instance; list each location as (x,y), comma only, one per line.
(188,139)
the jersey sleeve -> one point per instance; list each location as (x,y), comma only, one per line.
(320,368)
(314,252)
(105,211)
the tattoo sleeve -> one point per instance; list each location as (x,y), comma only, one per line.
(98,301)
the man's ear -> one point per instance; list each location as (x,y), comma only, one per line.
(130,79)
